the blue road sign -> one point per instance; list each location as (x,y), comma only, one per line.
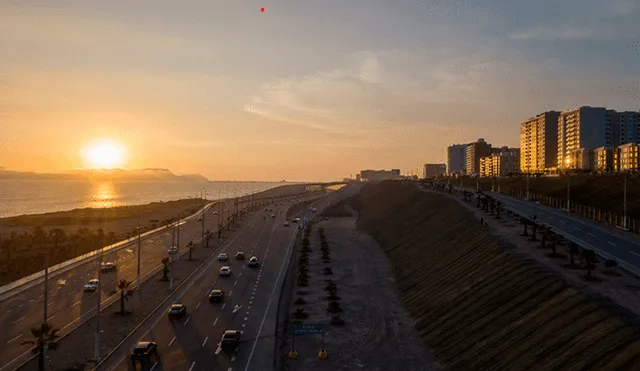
(304,329)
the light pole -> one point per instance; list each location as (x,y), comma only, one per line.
(528,173)
(46,282)
(568,162)
(97,336)
(203,225)
(139,252)
(624,205)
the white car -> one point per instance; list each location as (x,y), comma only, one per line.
(91,286)
(215,212)
(273,216)
(223,257)
(108,267)
(286,224)
(200,219)
(173,250)
(225,271)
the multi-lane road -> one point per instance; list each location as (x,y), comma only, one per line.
(69,304)
(191,343)
(623,246)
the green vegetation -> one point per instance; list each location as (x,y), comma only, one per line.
(44,337)
(125,293)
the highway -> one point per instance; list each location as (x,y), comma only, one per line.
(191,343)
(625,247)
(67,302)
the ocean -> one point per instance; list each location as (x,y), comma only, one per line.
(18,197)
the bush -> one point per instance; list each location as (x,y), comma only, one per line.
(333,296)
(300,314)
(326,260)
(328,271)
(300,301)
(331,286)
(303,281)
(334,307)
(337,321)
(302,292)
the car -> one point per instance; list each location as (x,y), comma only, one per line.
(177,310)
(230,339)
(314,210)
(223,257)
(200,219)
(296,220)
(239,255)
(92,285)
(285,224)
(253,262)
(273,216)
(172,250)
(216,295)
(145,351)
(108,266)
(215,212)
(325,218)
(266,209)
(225,271)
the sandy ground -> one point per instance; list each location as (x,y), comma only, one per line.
(379,334)
(623,290)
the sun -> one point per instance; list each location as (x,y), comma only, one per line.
(103,155)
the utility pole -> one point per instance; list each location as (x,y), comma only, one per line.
(528,172)
(178,235)
(46,281)
(202,226)
(568,192)
(624,206)
(97,344)
(139,253)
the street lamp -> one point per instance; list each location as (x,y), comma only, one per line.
(568,164)
(624,205)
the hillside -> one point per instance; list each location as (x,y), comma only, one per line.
(106,174)
(478,307)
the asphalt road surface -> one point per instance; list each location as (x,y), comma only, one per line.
(191,343)
(624,246)
(66,299)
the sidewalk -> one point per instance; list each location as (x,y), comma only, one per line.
(623,290)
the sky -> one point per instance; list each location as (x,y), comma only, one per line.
(304,91)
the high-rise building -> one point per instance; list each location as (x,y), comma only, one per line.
(626,128)
(475,151)
(457,159)
(583,128)
(539,142)
(502,162)
(434,170)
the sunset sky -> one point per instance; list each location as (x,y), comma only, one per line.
(307,90)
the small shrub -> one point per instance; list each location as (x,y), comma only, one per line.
(302,281)
(331,286)
(300,301)
(333,296)
(300,314)
(328,271)
(302,292)
(334,307)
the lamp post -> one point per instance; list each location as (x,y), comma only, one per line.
(568,163)
(97,336)
(624,205)
(139,252)
(528,173)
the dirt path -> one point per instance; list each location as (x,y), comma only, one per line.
(379,334)
(623,289)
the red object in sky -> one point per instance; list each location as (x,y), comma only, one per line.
(262,10)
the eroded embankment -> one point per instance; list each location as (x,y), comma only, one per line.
(478,307)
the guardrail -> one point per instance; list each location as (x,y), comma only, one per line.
(37,278)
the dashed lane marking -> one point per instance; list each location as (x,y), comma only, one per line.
(172,340)
(14,339)
(19,319)
(188,318)
(611,243)
(230,293)
(223,305)
(154,366)
(214,322)
(235,283)
(198,306)
(193,364)
(205,341)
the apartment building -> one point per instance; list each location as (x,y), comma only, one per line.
(583,128)
(474,152)
(626,157)
(434,170)
(457,159)
(539,142)
(502,162)
(372,175)
(603,159)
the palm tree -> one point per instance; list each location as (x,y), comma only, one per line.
(208,235)
(535,226)
(125,292)
(590,258)
(525,221)
(498,207)
(44,337)
(573,249)
(191,247)
(165,269)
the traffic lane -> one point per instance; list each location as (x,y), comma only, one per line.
(123,363)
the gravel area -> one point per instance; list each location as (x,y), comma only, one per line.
(379,333)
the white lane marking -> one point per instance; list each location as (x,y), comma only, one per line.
(634,253)
(76,303)
(230,293)
(243,325)
(19,319)
(72,292)
(235,283)
(230,369)
(198,306)
(188,318)
(252,296)
(205,341)
(249,307)
(172,340)
(193,364)
(214,322)
(14,339)
(53,302)
(246,318)
(223,305)
(40,297)
(154,366)
(218,350)
(233,358)
(239,274)
(563,222)
(50,318)
(611,243)
(591,234)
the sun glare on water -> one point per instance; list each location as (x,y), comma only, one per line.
(103,155)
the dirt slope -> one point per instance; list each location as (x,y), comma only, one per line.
(480,308)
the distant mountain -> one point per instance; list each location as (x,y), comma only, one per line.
(106,174)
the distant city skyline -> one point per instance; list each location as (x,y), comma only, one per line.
(305,90)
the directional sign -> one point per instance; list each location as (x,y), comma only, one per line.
(304,329)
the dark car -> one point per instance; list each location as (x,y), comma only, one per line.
(253,262)
(239,255)
(230,339)
(177,311)
(145,351)
(216,295)
(108,267)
